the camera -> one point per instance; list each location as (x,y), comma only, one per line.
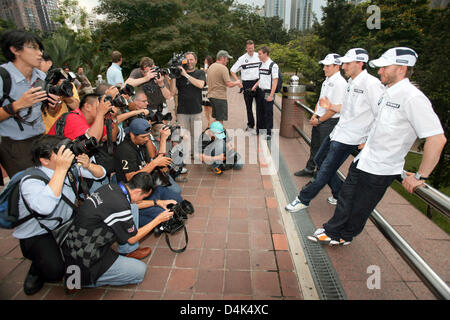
(80,145)
(119,101)
(50,85)
(177,60)
(128,89)
(161,71)
(176,222)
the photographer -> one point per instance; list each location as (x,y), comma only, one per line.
(132,157)
(68,101)
(54,160)
(153,83)
(189,110)
(216,149)
(20,113)
(88,118)
(103,220)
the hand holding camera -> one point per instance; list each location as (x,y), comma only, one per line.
(104,106)
(164,216)
(64,158)
(83,160)
(29,98)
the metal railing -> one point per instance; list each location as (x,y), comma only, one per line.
(434,199)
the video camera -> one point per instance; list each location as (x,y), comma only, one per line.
(177,60)
(50,85)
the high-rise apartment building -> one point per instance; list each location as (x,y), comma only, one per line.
(301,14)
(29,14)
(275,8)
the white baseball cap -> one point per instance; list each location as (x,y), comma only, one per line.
(401,56)
(355,54)
(331,58)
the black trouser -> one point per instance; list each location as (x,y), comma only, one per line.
(15,155)
(45,255)
(318,134)
(358,197)
(248,98)
(264,111)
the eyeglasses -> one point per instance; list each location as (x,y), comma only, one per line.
(33,47)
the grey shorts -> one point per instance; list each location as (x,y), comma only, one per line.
(219,109)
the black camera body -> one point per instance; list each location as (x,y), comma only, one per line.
(177,60)
(176,222)
(80,145)
(119,101)
(65,89)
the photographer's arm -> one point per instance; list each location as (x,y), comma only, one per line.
(28,99)
(164,89)
(142,232)
(196,82)
(158,162)
(95,169)
(124,116)
(72,102)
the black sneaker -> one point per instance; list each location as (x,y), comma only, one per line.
(32,284)
(304,173)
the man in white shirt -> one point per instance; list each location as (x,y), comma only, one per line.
(265,92)
(248,64)
(404,115)
(114,73)
(358,111)
(323,121)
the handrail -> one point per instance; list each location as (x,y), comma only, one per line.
(430,195)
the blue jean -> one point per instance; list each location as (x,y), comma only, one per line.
(160,193)
(334,158)
(122,272)
(127,248)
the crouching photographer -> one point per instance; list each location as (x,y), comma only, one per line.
(103,220)
(216,149)
(132,156)
(47,195)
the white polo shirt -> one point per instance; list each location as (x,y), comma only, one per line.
(333,88)
(359,109)
(266,75)
(405,113)
(248,66)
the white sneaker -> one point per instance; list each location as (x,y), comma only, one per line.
(332,200)
(295,206)
(320,236)
(184,170)
(340,242)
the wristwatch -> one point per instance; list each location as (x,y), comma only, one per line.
(419,177)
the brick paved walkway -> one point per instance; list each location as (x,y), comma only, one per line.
(237,247)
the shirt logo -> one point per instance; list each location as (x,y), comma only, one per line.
(393,105)
(401,61)
(246,60)
(131,230)
(358,91)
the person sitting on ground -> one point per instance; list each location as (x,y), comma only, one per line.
(216,149)
(104,218)
(36,243)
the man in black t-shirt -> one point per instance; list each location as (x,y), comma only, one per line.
(104,218)
(132,157)
(189,86)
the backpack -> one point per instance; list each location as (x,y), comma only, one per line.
(280,77)
(9,198)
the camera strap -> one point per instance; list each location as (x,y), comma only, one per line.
(186,240)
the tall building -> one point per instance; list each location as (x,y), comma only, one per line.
(275,8)
(29,14)
(23,13)
(301,14)
(46,10)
